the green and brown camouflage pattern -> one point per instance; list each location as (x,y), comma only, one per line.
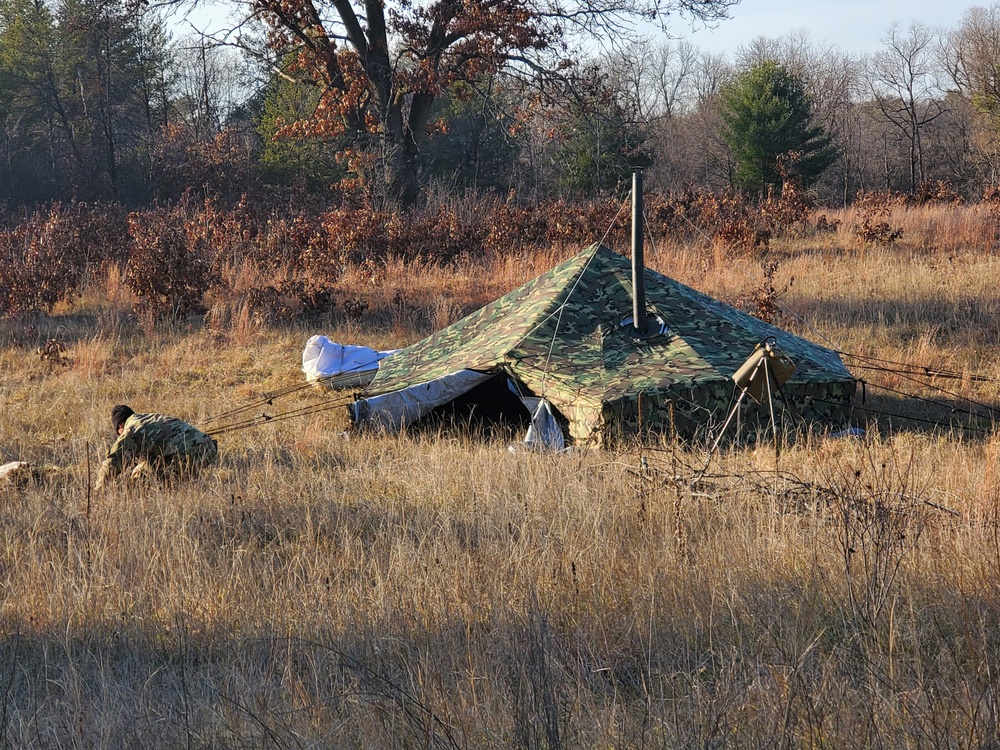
(560,337)
(155,444)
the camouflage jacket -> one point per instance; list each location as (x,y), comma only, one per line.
(156,437)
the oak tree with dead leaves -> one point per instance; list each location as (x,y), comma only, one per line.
(380,64)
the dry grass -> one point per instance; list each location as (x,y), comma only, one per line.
(314,590)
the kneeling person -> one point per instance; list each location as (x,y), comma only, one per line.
(155,445)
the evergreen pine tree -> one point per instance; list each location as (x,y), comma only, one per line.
(768,128)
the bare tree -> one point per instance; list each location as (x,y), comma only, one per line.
(835,83)
(710,74)
(654,81)
(904,81)
(793,50)
(212,82)
(672,87)
(971,55)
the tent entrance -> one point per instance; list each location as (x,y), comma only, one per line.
(490,406)
(464,399)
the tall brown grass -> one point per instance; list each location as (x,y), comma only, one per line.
(320,589)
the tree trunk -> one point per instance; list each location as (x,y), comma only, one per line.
(404,174)
(403,165)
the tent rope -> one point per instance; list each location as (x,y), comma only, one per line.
(264,418)
(911,369)
(269,397)
(558,312)
(991,416)
(569,294)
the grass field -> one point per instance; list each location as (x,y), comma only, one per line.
(320,589)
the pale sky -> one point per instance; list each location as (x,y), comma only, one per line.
(850,25)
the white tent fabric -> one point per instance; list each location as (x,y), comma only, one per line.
(14,470)
(340,366)
(544,432)
(390,412)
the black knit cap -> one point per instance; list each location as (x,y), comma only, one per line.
(119,414)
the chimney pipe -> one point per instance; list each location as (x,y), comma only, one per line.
(638,270)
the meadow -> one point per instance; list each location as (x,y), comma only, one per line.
(319,588)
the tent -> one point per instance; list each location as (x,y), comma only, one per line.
(566,339)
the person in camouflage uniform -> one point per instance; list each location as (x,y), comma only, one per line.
(155,446)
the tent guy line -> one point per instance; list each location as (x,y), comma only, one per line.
(911,369)
(569,294)
(262,419)
(991,416)
(921,420)
(909,376)
(269,397)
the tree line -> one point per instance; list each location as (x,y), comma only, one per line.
(387,103)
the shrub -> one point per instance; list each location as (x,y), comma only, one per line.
(45,258)
(765,299)
(30,276)
(737,225)
(167,271)
(875,209)
(513,229)
(353,236)
(938,192)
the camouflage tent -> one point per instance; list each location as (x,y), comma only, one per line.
(566,337)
